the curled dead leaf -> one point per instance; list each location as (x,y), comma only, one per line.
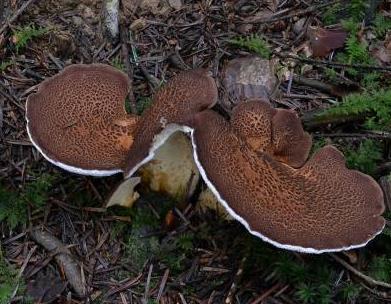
(323,41)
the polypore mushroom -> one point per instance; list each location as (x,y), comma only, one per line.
(77,119)
(172,172)
(320,207)
(275,131)
(182,97)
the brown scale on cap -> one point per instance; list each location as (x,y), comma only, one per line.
(320,207)
(78,119)
(184,95)
(275,131)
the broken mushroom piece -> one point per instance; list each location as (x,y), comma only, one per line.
(124,194)
(321,207)
(77,119)
(183,96)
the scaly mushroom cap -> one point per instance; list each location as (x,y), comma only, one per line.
(275,131)
(77,119)
(184,95)
(320,207)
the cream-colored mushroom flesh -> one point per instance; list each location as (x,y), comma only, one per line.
(77,119)
(320,207)
(172,170)
(173,105)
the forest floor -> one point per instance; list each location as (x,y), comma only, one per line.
(132,255)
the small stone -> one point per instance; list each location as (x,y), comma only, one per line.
(249,77)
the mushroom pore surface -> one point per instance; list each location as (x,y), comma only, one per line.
(77,119)
(275,131)
(184,95)
(320,207)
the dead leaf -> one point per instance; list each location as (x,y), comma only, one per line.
(46,286)
(323,41)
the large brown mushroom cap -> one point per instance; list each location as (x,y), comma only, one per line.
(276,131)
(320,207)
(173,105)
(77,119)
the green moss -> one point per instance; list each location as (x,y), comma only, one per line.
(22,35)
(381,25)
(365,158)
(372,81)
(330,16)
(9,281)
(350,292)
(36,192)
(373,106)
(5,64)
(330,74)
(171,252)
(13,204)
(357,51)
(356,9)
(306,293)
(313,279)
(317,144)
(13,209)
(380,268)
(253,43)
(117,63)
(139,250)
(143,103)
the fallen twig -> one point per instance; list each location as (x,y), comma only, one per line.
(123,33)
(383,135)
(15,16)
(162,285)
(277,16)
(358,273)
(234,286)
(335,64)
(63,258)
